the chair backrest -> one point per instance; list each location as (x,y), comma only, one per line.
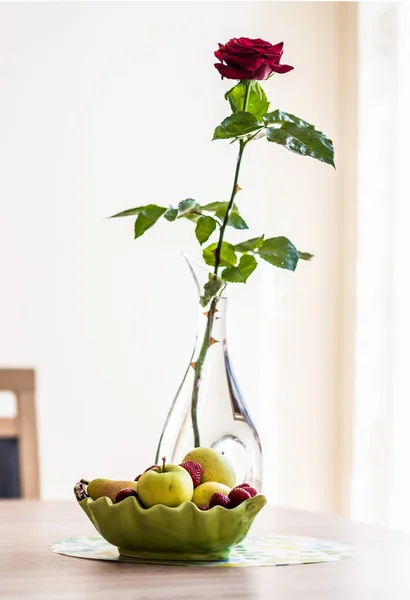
(23,426)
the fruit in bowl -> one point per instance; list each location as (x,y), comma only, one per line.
(171,512)
(215,466)
(204,492)
(107,487)
(169,485)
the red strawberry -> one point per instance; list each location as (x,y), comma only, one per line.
(149,469)
(251,490)
(219,499)
(238,495)
(125,493)
(202,507)
(194,469)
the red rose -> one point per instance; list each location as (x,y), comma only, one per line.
(242,58)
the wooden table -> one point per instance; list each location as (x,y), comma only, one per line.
(29,571)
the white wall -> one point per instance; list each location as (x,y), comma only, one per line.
(380,474)
(110,105)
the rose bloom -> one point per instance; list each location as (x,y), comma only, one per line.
(243,58)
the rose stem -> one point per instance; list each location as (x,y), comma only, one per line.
(198,372)
(208,331)
(242,145)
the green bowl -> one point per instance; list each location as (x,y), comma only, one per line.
(163,533)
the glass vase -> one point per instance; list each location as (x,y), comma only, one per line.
(209,408)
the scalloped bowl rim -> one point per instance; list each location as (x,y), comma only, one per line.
(172,509)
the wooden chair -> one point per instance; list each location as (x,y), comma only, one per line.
(23,426)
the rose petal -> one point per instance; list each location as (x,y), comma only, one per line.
(247,52)
(218,55)
(253,42)
(281,68)
(230,72)
(263,72)
(244,62)
(273,56)
(278,48)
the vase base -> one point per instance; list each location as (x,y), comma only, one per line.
(221,555)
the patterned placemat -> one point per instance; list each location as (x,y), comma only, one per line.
(267,551)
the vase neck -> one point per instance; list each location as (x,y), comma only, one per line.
(201,275)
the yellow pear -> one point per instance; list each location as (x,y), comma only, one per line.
(108,487)
(215,466)
(204,492)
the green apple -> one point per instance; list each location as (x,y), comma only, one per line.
(169,484)
(215,466)
(204,492)
(108,487)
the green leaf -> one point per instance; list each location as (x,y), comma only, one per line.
(131,212)
(253,136)
(236,125)
(221,212)
(211,288)
(249,245)
(147,218)
(189,209)
(214,206)
(305,256)
(227,259)
(240,274)
(185,206)
(235,220)
(258,103)
(280,117)
(194,217)
(220,208)
(306,141)
(171,214)
(204,228)
(280,252)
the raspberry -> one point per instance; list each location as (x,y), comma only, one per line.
(125,493)
(219,499)
(149,469)
(202,507)
(238,495)
(194,469)
(251,490)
